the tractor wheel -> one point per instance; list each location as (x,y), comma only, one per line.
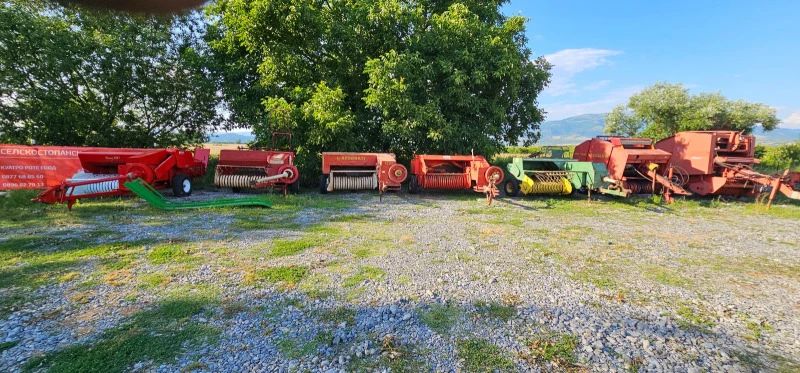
(582,190)
(512,188)
(236,190)
(294,187)
(181,185)
(413,186)
(323,184)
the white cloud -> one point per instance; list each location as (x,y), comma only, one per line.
(561,110)
(596,86)
(793,121)
(568,62)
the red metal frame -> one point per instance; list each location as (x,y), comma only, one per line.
(157,167)
(273,168)
(721,163)
(455,172)
(634,164)
(389,173)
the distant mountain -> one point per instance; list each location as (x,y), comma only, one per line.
(231,138)
(574,130)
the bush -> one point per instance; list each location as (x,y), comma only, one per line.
(780,158)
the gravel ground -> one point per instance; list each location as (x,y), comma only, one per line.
(684,288)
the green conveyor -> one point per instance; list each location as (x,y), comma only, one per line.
(146,192)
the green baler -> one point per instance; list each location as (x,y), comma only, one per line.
(555,176)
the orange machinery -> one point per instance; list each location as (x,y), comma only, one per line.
(455,172)
(361,171)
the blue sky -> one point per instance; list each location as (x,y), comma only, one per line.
(605,51)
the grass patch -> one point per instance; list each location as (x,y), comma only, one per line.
(291,247)
(440,318)
(171,253)
(694,320)
(481,356)
(153,280)
(363,274)
(292,350)
(556,348)
(158,335)
(757,330)
(667,277)
(289,274)
(337,315)
(496,310)
(8,345)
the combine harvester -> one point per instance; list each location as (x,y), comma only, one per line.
(104,172)
(361,171)
(721,163)
(634,165)
(455,172)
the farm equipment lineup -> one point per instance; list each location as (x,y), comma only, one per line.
(361,171)
(704,163)
(455,172)
(103,173)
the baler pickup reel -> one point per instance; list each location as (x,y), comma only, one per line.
(455,172)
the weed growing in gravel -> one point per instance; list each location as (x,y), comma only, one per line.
(694,320)
(292,247)
(289,275)
(667,277)
(757,330)
(11,302)
(7,345)
(153,280)
(481,356)
(337,315)
(233,308)
(158,335)
(440,318)
(292,350)
(496,310)
(170,253)
(556,348)
(364,273)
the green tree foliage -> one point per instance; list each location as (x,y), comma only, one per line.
(664,109)
(387,75)
(81,77)
(779,158)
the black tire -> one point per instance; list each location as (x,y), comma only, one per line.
(294,187)
(511,187)
(413,186)
(236,190)
(582,190)
(182,186)
(323,184)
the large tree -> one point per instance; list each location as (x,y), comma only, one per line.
(664,109)
(388,75)
(85,77)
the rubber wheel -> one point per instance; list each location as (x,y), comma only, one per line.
(323,184)
(582,190)
(182,185)
(511,187)
(236,190)
(294,187)
(413,186)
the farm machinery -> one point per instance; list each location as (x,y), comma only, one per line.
(634,165)
(239,169)
(454,172)
(556,176)
(721,163)
(361,171)
(104,171)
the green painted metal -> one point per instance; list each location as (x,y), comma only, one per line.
(582,175)
(146,192)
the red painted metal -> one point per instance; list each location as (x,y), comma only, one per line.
(103,172)
(351,171)
(634,164)
(255,169)
(455,172)
(721,163)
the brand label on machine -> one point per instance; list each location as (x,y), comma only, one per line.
(350,158)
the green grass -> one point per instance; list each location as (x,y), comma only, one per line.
(694,319)
(292,247)
(289,274)
(558,347)
(667,277)
(158,335)
(440,318)
(152,280)
(363,274)
(496,310)
(292,350)
(337,315)
(171,253)
(757,330)
(8,345)
(481,356)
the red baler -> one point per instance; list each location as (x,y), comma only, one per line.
(454,172)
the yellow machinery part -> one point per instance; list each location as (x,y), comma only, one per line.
(529,186)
